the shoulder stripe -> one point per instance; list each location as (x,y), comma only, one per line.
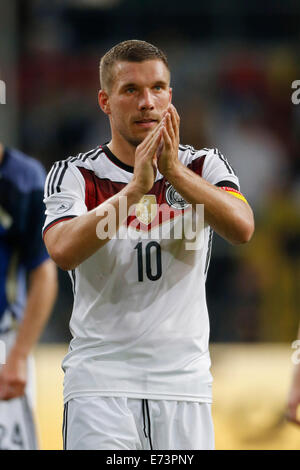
(59,169)
(54,174)
(54,177)
(61,177)
(92,154)
(97,154)
(225,161)
(50,178)
(187,147)
(57,173)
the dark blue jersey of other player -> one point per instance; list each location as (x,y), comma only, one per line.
(21,219)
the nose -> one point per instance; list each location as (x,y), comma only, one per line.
(146,100)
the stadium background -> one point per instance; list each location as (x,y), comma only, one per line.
(233,64)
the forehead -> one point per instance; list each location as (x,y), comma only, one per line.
(141,73)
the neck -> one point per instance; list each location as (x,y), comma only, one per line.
(122,149)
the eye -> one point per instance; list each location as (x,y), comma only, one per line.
(130,90)
(157,87)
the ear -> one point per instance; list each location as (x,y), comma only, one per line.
(170,93)
(103,101)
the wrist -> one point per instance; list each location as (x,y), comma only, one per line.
(135,191)
(173,173)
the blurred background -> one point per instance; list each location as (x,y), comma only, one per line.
(233,64)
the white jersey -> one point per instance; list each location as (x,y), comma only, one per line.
(140,324)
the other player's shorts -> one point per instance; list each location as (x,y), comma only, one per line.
(109,423)
(17,426)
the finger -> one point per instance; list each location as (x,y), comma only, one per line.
(170,128)
(148,141)
(151,149)
(160,148)
(174,110)
(153,146)
(152,135)
(167,139)
(175,121)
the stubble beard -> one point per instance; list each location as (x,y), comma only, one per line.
(132,140)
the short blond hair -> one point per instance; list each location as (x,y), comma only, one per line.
(127,51)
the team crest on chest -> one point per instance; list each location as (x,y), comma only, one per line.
(146,209)
(174,199)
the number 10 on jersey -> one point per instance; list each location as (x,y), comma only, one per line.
(145,262)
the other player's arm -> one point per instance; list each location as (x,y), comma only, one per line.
(230,217)
(41,296)
(71,242)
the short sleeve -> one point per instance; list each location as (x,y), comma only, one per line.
(218,171)
(64,195)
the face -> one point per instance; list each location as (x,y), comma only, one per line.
(139,96)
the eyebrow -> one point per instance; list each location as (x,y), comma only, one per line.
(132,84)
(129,84)
(161,83)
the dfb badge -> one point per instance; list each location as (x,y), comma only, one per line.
(174,199)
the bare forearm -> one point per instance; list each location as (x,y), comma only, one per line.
(230,217)
(72,242)
(41,297)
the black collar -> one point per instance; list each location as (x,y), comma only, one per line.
(115,160)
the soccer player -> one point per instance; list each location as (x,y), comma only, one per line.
(23,312)
(137,374)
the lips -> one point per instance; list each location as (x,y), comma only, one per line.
(142,121)
(146,123)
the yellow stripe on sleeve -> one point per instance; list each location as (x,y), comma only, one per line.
(235,193)
(239,196)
